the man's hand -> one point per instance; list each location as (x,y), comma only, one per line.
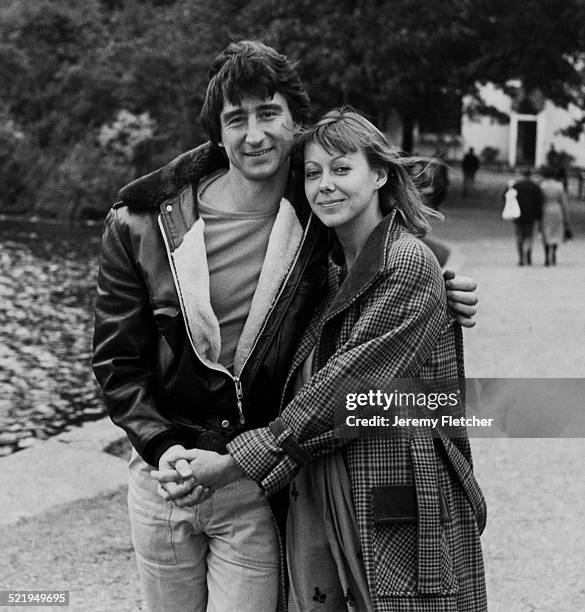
(461,297)
(179,483)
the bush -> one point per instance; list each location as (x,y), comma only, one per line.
(85,183)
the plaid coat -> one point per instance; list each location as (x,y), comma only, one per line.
(387,320)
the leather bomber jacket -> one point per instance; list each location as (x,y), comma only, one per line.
(155,338)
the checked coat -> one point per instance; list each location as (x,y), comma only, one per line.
(386,320)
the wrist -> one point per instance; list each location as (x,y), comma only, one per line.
(232,470)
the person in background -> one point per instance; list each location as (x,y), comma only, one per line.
(555,214)
(470,166)
(530,198)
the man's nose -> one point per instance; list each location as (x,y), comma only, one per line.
(255,133)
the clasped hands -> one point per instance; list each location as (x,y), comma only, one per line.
(188,477)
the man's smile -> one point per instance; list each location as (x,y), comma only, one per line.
(258,153)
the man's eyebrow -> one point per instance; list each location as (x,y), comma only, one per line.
(271,106)
(231,114)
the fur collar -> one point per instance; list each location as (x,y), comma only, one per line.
(151,190)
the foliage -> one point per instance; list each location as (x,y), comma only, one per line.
(69,68)
(403,55)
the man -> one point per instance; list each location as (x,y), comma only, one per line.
(470,166)
(209,271)
(530,200)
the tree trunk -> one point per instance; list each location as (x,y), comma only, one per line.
(407,133)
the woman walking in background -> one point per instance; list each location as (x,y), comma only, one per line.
(555,215)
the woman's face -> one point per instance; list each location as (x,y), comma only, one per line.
(342,188)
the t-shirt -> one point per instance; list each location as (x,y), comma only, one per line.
(235,244)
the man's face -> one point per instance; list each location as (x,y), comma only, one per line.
(257,136)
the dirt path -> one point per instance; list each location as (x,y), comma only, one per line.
(531,324)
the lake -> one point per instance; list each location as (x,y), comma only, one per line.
(47,285)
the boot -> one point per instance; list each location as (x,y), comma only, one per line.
(528,258)
(554,255)
(546,255)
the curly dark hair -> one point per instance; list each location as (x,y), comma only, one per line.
(251,68)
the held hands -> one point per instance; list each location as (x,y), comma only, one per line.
(189,477)
(461,297)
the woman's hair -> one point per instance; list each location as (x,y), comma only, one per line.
(344,130)
(251,68)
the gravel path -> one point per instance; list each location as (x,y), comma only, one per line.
(531,323)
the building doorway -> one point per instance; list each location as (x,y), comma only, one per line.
(526,143)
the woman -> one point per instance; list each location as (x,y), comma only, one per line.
(555,214)
(388,523)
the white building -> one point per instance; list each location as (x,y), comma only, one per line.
(527,138)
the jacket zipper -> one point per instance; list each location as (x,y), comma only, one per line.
(282,288)
(219,368)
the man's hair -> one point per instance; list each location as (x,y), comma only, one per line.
(251,68)
(343,130)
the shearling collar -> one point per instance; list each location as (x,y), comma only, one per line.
(151,190)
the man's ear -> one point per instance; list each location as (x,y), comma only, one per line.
(382,177)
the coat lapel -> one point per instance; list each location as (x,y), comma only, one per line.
(369,265)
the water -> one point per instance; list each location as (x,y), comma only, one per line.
(47,287)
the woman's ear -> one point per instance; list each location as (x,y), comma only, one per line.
(382,177)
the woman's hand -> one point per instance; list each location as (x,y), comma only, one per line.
(461,297)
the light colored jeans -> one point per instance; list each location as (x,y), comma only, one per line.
(219,556)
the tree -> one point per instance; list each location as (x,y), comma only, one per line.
(402,56)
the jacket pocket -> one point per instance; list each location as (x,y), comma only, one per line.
(408,560)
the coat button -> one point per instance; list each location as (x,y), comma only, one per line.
(169,207)
(225,423)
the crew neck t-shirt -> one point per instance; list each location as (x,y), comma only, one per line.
(235,244)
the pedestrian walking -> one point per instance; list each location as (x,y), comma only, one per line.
(555,214)
(530,198)
(470,166)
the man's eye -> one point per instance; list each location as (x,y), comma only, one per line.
(268,115)
(235,121)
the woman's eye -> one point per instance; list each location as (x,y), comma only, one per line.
(342,169)
(310,174)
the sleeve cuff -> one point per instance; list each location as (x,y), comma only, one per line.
(256,452)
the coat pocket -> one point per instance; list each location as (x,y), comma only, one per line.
(406,561)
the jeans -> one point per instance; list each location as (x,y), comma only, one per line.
(219,556)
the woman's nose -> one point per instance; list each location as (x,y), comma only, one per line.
(325,183)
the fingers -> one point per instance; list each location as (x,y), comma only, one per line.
(182,466)
(461,297)
(460,283)
(465,321)
(167,476)
(463,310)
(448,275)
(198,494)
(171,491)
